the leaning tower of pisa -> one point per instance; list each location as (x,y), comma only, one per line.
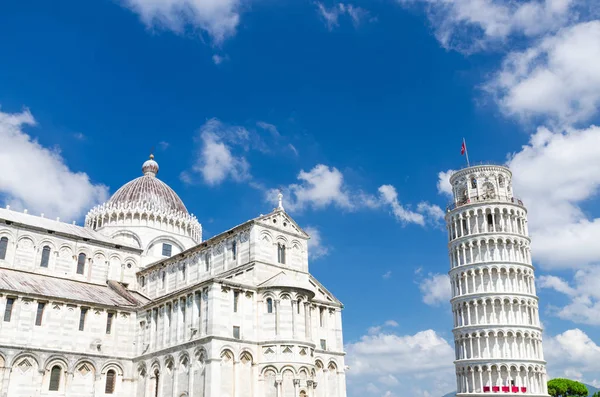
(497,331)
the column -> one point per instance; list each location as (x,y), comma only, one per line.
(307,330)
(295,307)
(485,320)
(276,303)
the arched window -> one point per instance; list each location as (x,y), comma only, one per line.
(111,376)
(3,247)
(473,183)
(81,263)
(55,378)
(45,256)
(269,305)
(281,253)
(501,181)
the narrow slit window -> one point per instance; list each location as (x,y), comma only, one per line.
(234,250)
(167,249)
(40,313)
(298,304)
(55,373)
(236,332)
(109,322)
(322,317)
(81,263)
(111,376)
(8,310)
(45,257)
(163,277)
(323,344)
(183,268)
(236,298)
(269,305)
(207,261)
(3,247)
(82,315)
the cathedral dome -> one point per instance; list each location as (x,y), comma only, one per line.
(148,191)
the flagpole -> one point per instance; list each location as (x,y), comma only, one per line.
(466,152)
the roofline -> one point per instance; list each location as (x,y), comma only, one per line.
(311,277)
(472,168)
(116,244)
(198,246)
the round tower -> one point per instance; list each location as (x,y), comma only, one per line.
(497,331)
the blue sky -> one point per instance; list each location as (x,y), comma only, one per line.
(356,110)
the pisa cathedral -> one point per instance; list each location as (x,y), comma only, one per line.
(135,303)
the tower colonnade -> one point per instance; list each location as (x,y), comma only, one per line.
(497,332)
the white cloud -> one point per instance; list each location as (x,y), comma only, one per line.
(584,305)
(218,59)
(554,174)
(324,186)
(436,289)
(219,18)
(332,15)
(388,364)
(389,196)
(271,128)
(316,249)
(443,184)
(470,25)
(556,78)
(572,352)
(432,211)
(387,275)
(216,161)
(320,187)
(37,178)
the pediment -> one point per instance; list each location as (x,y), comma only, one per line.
(279,219)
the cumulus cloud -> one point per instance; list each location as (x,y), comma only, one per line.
(572,352)
(389,196)
(583,293)
(318,188)
(324,186)
(316,248)
(471,25)
(384,363)
(216,161)
(436,289)
(218,18)
(556,78)
(36,178)
(555,173)
(443,184)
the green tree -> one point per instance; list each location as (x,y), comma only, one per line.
(566,388)
(597,394)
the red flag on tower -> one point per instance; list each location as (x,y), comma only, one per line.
(464,152)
